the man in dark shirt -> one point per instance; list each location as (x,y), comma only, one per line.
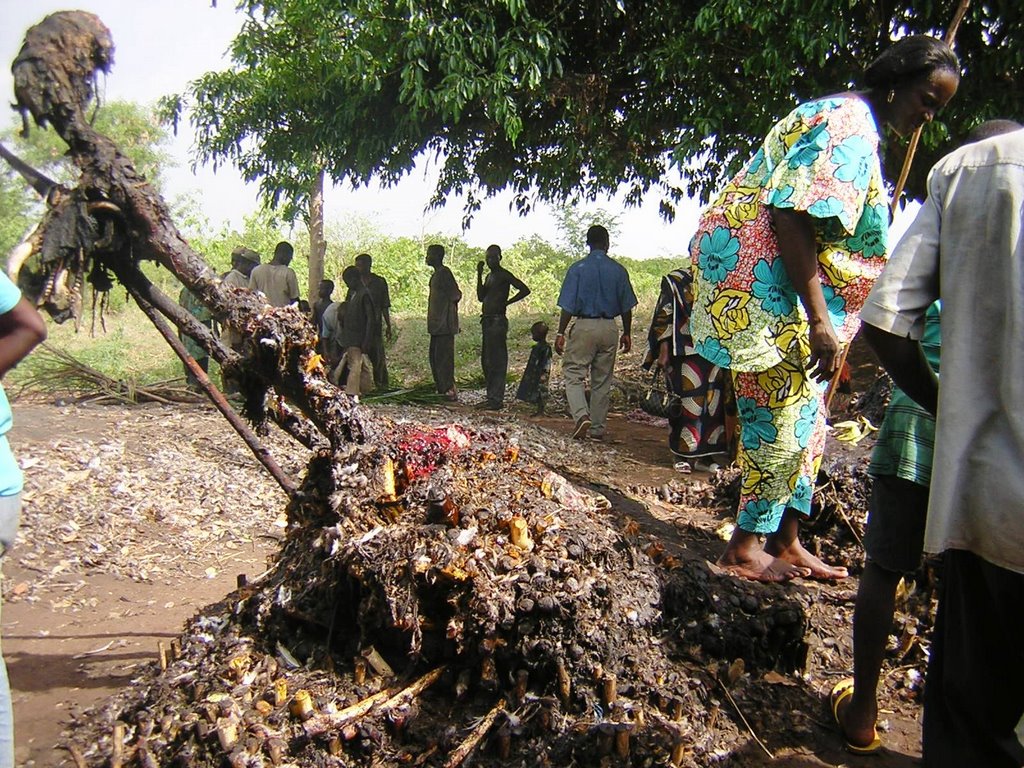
(381,297)
(356,334)
(493,295)
(594,292)
(442,321)
(322,302)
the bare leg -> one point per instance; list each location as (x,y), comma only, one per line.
(744,557)
(872,621)
(785,545)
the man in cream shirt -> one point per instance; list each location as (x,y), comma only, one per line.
(971,232)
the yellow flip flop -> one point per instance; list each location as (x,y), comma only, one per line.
(841,691)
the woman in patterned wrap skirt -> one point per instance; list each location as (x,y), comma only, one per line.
(698,431)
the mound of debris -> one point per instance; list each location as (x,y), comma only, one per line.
(455,590)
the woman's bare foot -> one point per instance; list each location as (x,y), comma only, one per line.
(745,558)
(763,567)
(795,554)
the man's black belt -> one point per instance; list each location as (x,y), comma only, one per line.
(594,317)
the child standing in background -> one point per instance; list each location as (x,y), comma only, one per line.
(534,386)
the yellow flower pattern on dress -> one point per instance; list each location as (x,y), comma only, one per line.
(790,336)
(834,264)
(821,160)
(730,312)
(785,384)
(743,206)
(754,478)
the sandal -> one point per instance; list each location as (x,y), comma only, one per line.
(842,691)
(682,467)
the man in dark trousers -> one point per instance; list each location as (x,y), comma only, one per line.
(322,301)
(493,293)
(377,287)
(442,322)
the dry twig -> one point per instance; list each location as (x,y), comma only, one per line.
(389,698)
(750,729)
(465,749)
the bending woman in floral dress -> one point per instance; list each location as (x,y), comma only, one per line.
(783,260)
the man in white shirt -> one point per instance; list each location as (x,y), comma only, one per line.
(971,232)
(276,280)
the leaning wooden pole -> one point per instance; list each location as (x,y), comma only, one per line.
(950,37)
(244,431)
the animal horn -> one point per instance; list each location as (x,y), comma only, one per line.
(20,253)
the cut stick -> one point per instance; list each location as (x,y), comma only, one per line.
(117,745)
(465,749)
(76,755)
(389,698)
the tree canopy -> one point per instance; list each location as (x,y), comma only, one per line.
(559,101)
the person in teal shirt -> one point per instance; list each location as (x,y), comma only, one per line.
(21,329)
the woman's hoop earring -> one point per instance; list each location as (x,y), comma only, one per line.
(891,96)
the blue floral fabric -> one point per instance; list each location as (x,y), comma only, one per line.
(821,159)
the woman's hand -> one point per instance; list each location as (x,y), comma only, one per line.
(824,361)
(663,355)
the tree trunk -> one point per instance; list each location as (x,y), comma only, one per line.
(317,246)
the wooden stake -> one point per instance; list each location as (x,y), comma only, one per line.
(244,431)
(564,685)
(522,681)
(678,754)
(609,689)
(954,26)
(161,648)
(622,743)
(465,749)
(117,747)
(76,755)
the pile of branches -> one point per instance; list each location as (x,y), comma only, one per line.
(456,590)
(55,372)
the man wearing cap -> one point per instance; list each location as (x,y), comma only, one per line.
(243,261)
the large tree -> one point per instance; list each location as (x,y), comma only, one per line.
(559,100)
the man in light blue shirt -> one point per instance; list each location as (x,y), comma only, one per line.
(595,291)
(21,329)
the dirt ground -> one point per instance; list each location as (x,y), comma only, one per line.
(136,517)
